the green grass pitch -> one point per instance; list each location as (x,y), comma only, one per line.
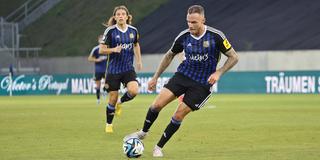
(229,127)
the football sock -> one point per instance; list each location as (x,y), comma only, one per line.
(126,97)
(170,130)
(150,118)
(110,113)
(98,93)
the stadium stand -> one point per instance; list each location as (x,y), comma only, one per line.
(249,24)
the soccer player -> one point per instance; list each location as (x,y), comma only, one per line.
(100,67)
(120,43)
(194,77)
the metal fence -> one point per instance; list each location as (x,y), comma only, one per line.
(9,34)
(23,60)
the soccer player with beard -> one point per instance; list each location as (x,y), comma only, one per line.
(195,76)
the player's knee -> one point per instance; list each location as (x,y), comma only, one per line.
(113,98)
(133,92)
(156,107)
(179,116)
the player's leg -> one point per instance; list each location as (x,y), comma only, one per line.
(112,84)
(132,91)
(130,82)
(180,98)
(195,97)
(98,91)
(164,97)
(167,94)
(172,127)
(98,78)
(129,79)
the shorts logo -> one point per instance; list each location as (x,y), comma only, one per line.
(106,85)
(131,35)
(205,44)
(226,44)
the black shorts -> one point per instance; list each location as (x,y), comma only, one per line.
(113,81)
(99,76)
(195,93)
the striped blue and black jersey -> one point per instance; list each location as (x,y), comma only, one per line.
(100,67)
(202,53)
(113,36)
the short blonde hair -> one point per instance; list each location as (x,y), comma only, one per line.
(196,9)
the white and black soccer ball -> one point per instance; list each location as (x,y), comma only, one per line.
(133,147)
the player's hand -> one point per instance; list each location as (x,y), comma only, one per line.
(117,49)
(214,77)
(152,84)
(99,60)
(139,66)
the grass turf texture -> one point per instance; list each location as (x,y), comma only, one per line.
(230,127)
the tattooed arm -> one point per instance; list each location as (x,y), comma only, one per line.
(166,60)
(231,61)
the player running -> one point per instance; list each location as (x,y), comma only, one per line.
(121,43)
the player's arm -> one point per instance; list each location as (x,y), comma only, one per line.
(166,60)
(105,42)
(137,54)
(91,58)
(232,60)
(181,56)
(104,49)
(176,48)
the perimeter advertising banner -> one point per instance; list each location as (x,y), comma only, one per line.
(300,82)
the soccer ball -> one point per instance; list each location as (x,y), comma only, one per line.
(133,147)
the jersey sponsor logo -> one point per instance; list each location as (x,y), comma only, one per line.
(205,44)
(126,46)
(226,44)
(199,57)
(131,35)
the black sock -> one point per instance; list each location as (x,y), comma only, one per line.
(110,113)
(170,130)
(126,97)
(150,118)
(98,93)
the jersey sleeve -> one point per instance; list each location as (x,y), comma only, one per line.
(106,39)
(136,40)
(177,45)
(223,43)
(94,52)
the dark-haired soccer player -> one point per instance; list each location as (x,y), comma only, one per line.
(100,67)
(120,43)
(194,77)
